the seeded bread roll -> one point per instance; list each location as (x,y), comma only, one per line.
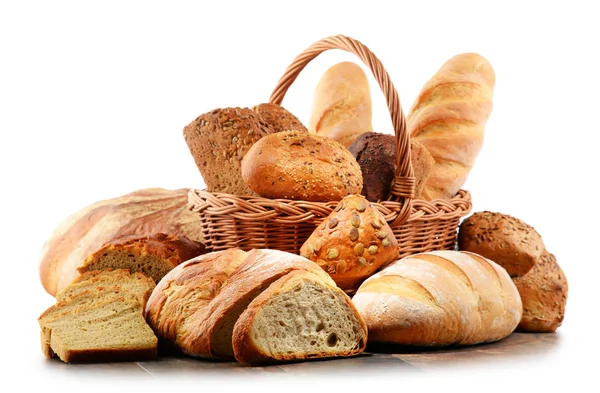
(352,243)
(218,140)
(301,166)
(376,155)
(278,118)
(504,239)
(544,291)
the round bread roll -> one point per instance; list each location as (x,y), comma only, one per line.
(301,166)
(544,294)
(504,239)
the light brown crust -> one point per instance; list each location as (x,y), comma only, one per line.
(279,118)
(169,249)
(352,243)
(301,166)
(243,345)
(544,290)
(422,300)
(141,212)
(376,155)
(218,140)
(504,239)
(191,301)
(448,118)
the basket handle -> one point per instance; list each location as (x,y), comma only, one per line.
(403,185)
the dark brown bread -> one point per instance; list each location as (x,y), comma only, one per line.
(376,155)
(352,243)
(218,140)
(154,255)
(279,118)
(504,239)
(544,291)
(301,166)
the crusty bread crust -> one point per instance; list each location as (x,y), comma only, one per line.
(279,118)
(244,346)
(439,298)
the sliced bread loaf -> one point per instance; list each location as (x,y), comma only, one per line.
(100,318)
(300,316)
(154,255)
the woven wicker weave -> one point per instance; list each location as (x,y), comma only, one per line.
(252,222)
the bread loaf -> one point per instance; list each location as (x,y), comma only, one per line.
(544,291)
(376,155)
(301,166)
(352,243)
(341,108)
(146,211)
(519,248)
(154,255)
(448,118)
(279,118)
(218,140)
(99,318)
(439,298)
(504,239)
(196,306)
(301,301)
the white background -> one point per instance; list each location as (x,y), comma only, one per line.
(94,97)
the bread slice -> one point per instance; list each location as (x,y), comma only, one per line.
(100,318)
(154,255)
(300,316)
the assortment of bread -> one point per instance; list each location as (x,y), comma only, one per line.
(131,273)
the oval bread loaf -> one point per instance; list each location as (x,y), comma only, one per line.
(439,298)
(301,166)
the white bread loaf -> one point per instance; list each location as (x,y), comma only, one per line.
(439,298)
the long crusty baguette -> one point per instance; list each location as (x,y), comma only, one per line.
(196,305)
(448,118)
(341,107)
(439,298)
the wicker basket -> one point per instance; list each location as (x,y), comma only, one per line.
(252,222)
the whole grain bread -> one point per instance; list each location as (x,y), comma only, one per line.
(218,140)
(154,255)
(279,118)
(506,240)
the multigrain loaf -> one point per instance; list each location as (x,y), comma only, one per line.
(150,210)
(341,108)
(376,155)
(544,291)
(439,298)
(99,319)
(299,316)
(506,240)
(196,306)
(279,118)
(352,243)
(154,255)
(301,166)
(218,140)
(448,118)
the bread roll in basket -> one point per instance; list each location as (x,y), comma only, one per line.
(251,222)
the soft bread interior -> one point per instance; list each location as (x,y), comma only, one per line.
(308,319)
